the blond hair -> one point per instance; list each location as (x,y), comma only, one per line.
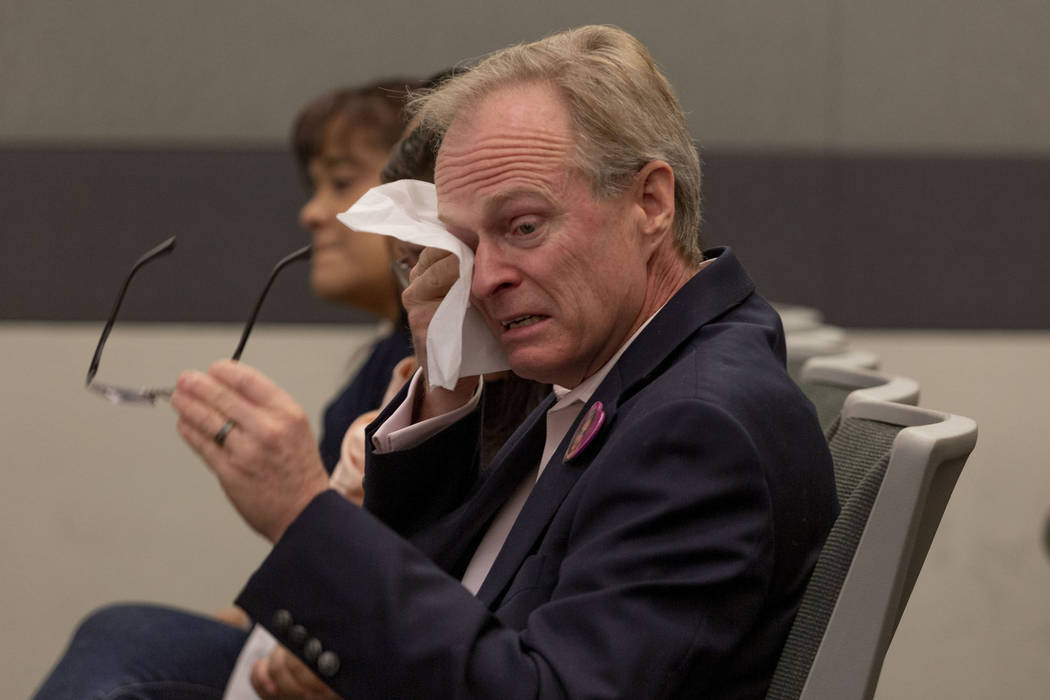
(623,110)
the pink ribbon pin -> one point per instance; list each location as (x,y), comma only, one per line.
(587,429)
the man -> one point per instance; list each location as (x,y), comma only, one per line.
(648,531)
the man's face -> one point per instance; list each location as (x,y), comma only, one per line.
(559,276)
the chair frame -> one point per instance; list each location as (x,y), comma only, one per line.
(925,461)
(796,318)
(846,371)
(850,359)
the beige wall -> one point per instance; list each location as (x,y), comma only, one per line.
(914,75)
(978,622)
(103,503)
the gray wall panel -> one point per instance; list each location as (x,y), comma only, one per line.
(234,70)
(874,241)
(947,75)
(890,241)
(72,221)
(957,76)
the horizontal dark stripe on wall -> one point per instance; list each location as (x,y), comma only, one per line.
(872,240)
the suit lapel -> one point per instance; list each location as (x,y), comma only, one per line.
(722,285)
(547,495)
(450,540)
(710,293)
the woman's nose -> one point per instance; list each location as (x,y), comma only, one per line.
(314,213)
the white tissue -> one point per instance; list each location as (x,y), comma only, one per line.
(258,646)
(459,344)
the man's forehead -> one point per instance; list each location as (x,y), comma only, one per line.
(495,203)
(515,132)
(517,110)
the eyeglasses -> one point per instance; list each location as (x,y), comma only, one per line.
(144,395)
(407,257)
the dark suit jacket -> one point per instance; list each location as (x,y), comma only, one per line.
(666,560)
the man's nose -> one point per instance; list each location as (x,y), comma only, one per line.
(494,270)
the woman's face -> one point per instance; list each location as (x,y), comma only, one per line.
(350,267)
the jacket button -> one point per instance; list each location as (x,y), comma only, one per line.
(297,635)
(282,621)
(312,649)
(328,664)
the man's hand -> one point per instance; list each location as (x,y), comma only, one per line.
(431,278)
(268,465)
(282,676)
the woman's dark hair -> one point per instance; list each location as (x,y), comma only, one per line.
(415,156)
(378,107)
(413,159)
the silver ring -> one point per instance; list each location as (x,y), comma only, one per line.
(220,437)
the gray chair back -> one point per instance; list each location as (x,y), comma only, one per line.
(827,381)
(895,467)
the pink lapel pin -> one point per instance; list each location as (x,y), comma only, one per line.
(585,432)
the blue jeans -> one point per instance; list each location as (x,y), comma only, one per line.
(145,652)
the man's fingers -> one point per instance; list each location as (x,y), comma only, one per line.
(201,420)
(198,441)
(302,676)
(432,277)
(427,258)
(437,278)
(208,403)
(261,681)
(283,681)
(248,383)
(268,463)
(292,678)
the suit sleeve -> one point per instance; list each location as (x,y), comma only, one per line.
(662,568)
(412,488)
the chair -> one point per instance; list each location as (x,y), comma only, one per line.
(813,342)
(895,468)
(798,318)
(854,359)
(827,381)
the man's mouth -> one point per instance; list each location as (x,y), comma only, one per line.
(521,321)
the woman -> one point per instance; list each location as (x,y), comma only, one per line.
(160,652)
(342,141)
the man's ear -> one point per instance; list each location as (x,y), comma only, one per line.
(655,197)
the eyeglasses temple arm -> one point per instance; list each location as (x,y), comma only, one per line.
(155,252)
(301,254)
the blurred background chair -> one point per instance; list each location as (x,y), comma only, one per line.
(895,468)
(813,342)
(798,318)
(828,380)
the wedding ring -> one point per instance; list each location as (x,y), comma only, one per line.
(220,437)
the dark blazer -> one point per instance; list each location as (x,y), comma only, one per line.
(666,560)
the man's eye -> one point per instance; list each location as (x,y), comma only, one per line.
(526,228)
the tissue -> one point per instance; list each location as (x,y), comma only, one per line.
(459,343)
